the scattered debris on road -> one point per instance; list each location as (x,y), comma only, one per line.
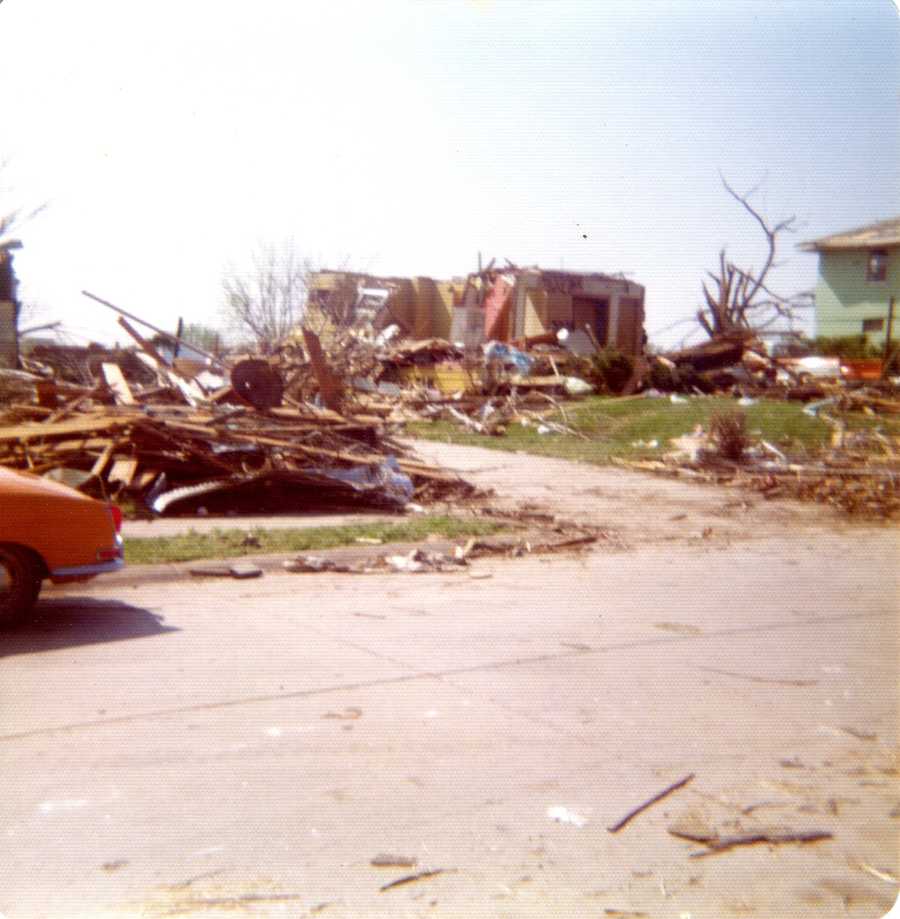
(384,860)
(411,878)
(237,571)
(642,807)
(564,815)
(772,837)
(315,564)
(878,873)
(352,713)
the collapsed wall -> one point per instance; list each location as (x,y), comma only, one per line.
(493,304)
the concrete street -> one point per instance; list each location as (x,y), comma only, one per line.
(225,748)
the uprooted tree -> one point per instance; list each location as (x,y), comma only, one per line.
(742,301)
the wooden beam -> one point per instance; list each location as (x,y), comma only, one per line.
(116,381)
(329,385)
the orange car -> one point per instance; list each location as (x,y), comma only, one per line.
(48,530)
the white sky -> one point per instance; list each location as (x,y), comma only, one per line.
(170,139)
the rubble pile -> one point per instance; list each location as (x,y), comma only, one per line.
(482,390)
(202,440)
(739,363)
(174,429)
(859,472)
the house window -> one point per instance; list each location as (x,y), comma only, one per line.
(873,325)
(876,267)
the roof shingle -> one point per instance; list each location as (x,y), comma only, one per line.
(885,233)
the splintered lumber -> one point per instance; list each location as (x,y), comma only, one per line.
(329,386)
(123,471)
(102,460)
(642,807)
(710,355)
(190,389)
(165,334)
(242,452)
(143,344)
(112,373)
(84,425)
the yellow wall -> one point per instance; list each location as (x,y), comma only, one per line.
(425,307)
(423,312)
(443,308)
(535,311)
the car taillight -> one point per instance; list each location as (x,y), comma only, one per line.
(116,512)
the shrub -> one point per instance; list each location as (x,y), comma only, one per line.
(729,433)
(663,377)
(610,370)
(848,347)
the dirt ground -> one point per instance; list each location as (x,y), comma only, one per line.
(640,508)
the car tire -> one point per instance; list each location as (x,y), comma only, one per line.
(20,584)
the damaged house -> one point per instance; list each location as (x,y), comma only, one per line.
(508,304)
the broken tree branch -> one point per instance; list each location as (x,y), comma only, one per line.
(773,837)
(642,807)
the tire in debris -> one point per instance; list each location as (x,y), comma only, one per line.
(258,382)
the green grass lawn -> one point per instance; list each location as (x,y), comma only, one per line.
(233,543)
(612,428)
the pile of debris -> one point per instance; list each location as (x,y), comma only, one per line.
(205,433)
(170,428)
(574,538)
(739,363)
(859,472)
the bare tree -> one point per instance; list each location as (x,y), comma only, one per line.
(269,300)
(742,301)
(11,219)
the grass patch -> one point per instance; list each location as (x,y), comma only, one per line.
(614,428)
(233,543)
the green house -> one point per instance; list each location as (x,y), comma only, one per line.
(859,274)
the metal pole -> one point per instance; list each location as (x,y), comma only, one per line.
(887,339)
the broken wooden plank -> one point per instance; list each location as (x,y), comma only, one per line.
(116,381)
(142,342)
(123,471)
(176,382)
(190,389)
(103,459)
(78,445)
(329,385)
(85,425)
